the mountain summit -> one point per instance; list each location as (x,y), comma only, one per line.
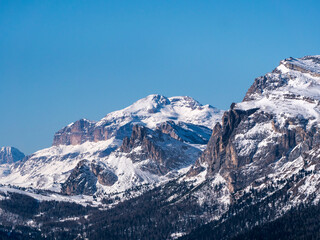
(149,111)
(270,141)
(10,155)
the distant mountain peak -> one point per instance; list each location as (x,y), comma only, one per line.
(150,104)
(10,155)
(149,111)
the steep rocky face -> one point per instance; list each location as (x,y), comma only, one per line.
(162,152)
(84,177)
(292,75)
(146,160)
(104,175)
(86,131)
(278,120)
(10,155)
(80,181)
(75,133)
(308,64)
(220,149)
(184,112)
(189,133)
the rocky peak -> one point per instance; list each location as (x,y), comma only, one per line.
(185,101)
(150,104)
(297,76)
(10,155)
(278,120)
(145,139)
(185,132)
(138,135)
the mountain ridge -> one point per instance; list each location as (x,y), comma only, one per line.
(148,111)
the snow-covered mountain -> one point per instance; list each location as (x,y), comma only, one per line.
(151,141)
(181,168)
(268,144)
(149,112)
(10,155)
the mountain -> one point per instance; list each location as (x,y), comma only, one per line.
(153,140)
(277,121)
(168,168)
(267,148)
(10,155)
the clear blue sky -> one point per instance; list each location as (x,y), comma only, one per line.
(65,60)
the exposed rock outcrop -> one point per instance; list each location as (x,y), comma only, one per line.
(73,134)
(104,175)
(86,131)
(163,152)
(189,133)
(84,177)
(81,181)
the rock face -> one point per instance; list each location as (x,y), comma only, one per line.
(84,177)
(84,130)
(163,152)
(104,175)
(184,132)
(10,155)
(81,181)
(278,120)
(221,146)
(152,154)
(75,133)
(267,147)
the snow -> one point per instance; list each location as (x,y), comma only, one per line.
(298,99)
(251,139)
(197,179)
(5,149)
(83,199)
(155,109)
(5,169)
(49,167)
(290,100)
